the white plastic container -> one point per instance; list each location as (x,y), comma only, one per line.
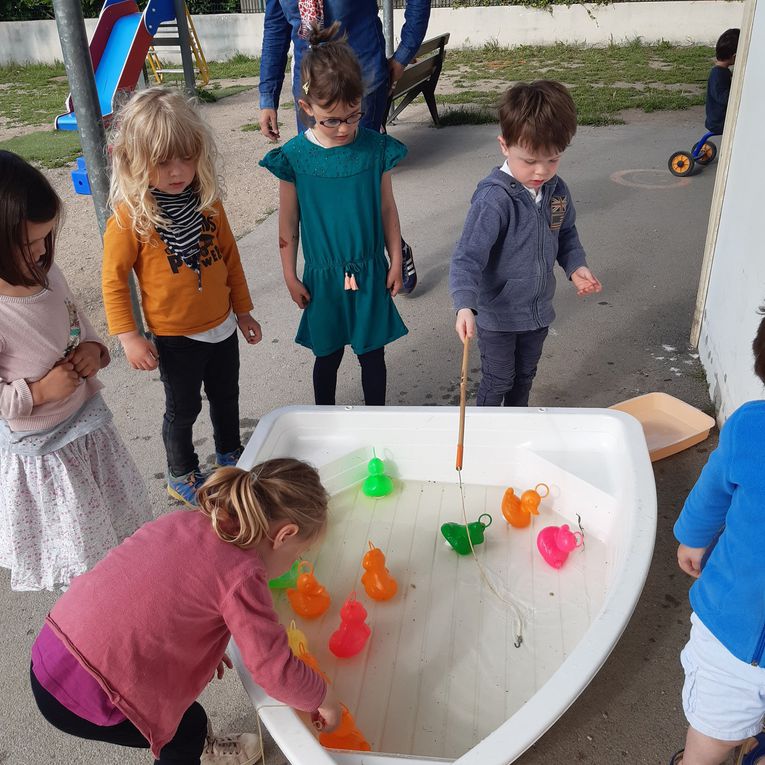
(440,679)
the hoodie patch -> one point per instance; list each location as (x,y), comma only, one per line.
(558,207)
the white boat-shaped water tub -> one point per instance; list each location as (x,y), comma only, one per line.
(440,679)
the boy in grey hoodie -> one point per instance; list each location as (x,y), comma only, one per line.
(521,221)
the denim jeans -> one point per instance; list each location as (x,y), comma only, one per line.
(508,365)
(185,365)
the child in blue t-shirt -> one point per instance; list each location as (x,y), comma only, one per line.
(718,84)
(721,531)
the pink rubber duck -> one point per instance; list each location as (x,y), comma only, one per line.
(352,634)
(556,542)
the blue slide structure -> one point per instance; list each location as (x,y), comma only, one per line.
(118,51)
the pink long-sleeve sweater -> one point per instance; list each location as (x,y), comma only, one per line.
(35,332)
(151,621)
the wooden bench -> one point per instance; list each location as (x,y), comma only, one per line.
(420,77)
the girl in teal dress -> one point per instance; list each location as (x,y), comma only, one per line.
(335,188)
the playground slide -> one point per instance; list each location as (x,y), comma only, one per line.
(118,51)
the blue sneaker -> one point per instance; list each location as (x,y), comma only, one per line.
(185,487)
(228,459)
(408,271)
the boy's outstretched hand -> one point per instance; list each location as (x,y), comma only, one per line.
(465,325)
(249,328)
(585,282)
(689,559)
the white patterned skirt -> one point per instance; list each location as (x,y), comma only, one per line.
(61,512)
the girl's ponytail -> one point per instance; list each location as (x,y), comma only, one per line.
(242,504)
(330,73)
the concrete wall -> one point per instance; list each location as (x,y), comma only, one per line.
(737,275)
(699,21)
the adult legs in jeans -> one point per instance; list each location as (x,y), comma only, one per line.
(221,383)
(508,365)
(373,377)
(185,748)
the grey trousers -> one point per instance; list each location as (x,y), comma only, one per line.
(508,365)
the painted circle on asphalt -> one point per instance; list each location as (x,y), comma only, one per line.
(648,179)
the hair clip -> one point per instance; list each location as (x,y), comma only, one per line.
(305,86)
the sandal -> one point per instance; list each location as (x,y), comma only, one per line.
(750,756)
(677,758)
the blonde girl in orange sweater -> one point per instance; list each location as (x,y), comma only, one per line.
(169,227)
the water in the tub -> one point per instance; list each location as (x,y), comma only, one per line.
(440,670)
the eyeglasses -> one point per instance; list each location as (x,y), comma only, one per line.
(333,122)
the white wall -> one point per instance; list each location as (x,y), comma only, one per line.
(737,276)
(699,21)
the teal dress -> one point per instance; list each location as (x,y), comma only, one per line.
(341,230)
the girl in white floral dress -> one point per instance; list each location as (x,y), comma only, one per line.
(69,490)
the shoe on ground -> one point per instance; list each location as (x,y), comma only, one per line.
(677,758)
(228,459)
(752,750)
(408,271)
(184,487)
(243,749)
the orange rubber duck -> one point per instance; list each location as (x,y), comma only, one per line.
(346,735)
(352,634)
(518,511)
(377,581)
(310,599)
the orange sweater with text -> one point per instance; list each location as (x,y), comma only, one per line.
(172,303)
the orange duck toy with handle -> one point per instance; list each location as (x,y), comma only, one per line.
(377,581)
(309,599)
(346,735)
(518,511)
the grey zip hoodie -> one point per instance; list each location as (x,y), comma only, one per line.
(503,265)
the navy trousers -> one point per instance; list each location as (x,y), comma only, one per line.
(508,365)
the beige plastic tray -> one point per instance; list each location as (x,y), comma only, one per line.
(670,425)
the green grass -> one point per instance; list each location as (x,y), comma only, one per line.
(467,116)
(29,95)
(49,148)
(211,93)
(234,68)
(603,81)
(251,127)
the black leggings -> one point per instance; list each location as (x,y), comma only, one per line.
(374,377)
(185,748)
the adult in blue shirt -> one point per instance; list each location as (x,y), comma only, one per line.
(360,22)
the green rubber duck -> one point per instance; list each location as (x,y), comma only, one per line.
(457,535)
(288,580)
(376,484)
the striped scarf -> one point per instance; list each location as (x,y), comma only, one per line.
(181,238)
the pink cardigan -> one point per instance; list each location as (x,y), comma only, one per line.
(34,333)
(151,621)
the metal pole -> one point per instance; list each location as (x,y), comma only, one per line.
(185,42)
(388,26)
(79,71)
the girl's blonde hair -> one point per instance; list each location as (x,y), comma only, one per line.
(154,126)
(242,503)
